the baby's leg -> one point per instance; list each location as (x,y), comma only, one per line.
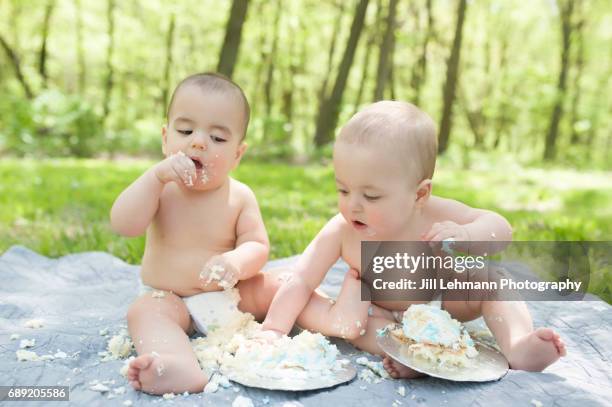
(346,317)
(166,362)
(510,323)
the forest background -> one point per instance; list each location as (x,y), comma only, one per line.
(518,90)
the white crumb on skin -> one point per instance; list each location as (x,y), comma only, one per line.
(158,294)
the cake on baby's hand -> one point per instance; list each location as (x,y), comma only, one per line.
(433,335)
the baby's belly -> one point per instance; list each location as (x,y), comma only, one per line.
(176,270)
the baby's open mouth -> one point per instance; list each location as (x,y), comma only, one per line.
(197,163)
(359,225)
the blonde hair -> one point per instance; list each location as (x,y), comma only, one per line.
(403,127)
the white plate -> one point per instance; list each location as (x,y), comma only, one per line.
(487,366)
(347,373)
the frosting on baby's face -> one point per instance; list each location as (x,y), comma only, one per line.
(207,127)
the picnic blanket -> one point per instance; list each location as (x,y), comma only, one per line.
(80,295)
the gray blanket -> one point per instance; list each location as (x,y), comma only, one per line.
(79,295)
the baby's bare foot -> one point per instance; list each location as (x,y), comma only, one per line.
(537,350)
(349,313)
(160,374)
(398,371)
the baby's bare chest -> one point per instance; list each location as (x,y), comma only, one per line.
(197,223)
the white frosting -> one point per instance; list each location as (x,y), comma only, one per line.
(432,334)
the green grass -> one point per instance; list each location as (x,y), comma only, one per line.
(56,207)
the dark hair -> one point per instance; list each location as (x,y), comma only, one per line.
(215,82)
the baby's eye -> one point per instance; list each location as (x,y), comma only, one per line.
(342,191)
(217,139)
(185,132)
(371,198)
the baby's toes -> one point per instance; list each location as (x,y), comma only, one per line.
(135,384)
(561,347)
(545,334)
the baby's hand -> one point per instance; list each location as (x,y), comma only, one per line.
(443,235)
(178,168)
(218,268)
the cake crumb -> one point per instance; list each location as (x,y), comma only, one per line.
(34,323)
(241,401)
(27,343)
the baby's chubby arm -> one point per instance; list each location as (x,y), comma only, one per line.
(464,223)
(308,273)
(135,207)
(252,246)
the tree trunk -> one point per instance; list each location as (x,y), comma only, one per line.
(372,36)
(330,108)
(575,115)
(231,42)
(80,49)
(263,58)
(169,47)
(386,47)
(42,55)
(565,10)
(17,67)
(108,87)
(502,118)
(452,76)
(419,75)
(269,84)
(330,54)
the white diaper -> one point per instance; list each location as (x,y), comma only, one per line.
(208,310)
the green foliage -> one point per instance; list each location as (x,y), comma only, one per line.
(510,61)
(57,207)
(52,124)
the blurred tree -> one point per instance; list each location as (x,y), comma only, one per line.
(42,55)
(168,66)
(108,84)
(271,58)
(566,9)
(419,70)
(386,50)
(373,32)
(332,49)
(80,49)
(231,42)
(452,76)
(578,69)
(12,56)
(329,109)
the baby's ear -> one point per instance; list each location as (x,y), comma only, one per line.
(240,152)
(164,138)
(423,192)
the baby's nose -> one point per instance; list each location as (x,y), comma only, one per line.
(198,143)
